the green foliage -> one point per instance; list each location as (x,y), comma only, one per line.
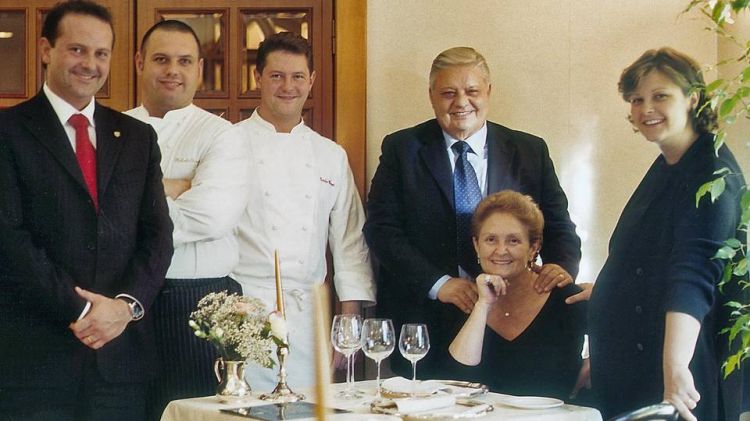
(731,101)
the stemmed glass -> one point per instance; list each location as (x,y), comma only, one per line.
(346,336)
(414,344)
(378,342)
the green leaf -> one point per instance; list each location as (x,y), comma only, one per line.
(732,363)
(741,267)
(745,200)
(734,304)
(733,242)
(727,106)
(743,91)
(716,12)
(724,170)
(726,276)
(738,5)
(716,84)
(717,188)
(702,190)
(725,253)
(719,139)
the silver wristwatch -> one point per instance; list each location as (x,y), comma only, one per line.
(136,309)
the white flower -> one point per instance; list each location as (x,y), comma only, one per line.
(712,3)
(278,326)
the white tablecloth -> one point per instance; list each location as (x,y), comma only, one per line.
(207,409)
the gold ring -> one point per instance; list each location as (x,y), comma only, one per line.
(90,339)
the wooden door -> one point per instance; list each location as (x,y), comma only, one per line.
(23,74)
(230,31)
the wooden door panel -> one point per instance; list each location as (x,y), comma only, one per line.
(116,91)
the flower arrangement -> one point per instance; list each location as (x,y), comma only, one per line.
(238,326)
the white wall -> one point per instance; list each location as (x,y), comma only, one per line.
(555,66)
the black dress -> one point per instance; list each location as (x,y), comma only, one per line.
(660,261)
(543,360)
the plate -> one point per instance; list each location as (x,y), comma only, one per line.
(530,402)
(463,409)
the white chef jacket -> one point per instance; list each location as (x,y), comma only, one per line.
(302,198)
(206,149)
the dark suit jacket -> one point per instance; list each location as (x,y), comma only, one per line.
(52,239)
(411,223)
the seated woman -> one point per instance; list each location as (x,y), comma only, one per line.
(516,340)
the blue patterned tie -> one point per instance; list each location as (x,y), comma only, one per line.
(466,196)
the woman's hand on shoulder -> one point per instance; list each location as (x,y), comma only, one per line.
(490,287)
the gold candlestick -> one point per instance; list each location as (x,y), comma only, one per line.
(281,393)
(279,290)
(322,358)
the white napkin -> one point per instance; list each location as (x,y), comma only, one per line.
(405,386)
(413,405)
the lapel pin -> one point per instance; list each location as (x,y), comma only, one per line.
(116,133)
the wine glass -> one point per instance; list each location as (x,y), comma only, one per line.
(414,344)
(378,342)
(346,336)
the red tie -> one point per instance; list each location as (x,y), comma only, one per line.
(86,154)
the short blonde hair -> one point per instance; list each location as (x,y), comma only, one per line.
(459,56)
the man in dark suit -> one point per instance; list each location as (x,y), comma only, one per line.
(429,180)
(85,237)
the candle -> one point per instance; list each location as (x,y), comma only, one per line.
(279,290)
(322,359)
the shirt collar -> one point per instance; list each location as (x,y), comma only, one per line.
(298,129)
(64,110)
(477,141)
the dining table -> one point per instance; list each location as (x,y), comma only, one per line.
(210,409)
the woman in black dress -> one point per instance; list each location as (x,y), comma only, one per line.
(655,312)
(517,340)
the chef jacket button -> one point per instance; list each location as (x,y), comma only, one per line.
(304,228)
(274,228)
(638,309)
(308,165)
(639,346)
(302,262)
(260,162)
(267,193)
(639,271)
(308,196)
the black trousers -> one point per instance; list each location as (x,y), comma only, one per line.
(89,399)
(186,361)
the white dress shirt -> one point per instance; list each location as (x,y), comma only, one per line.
(302,198)
(63,111)
(207,150)
(477,157)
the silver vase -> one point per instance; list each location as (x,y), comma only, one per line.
(232,385)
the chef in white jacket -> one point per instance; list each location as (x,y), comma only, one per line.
(205,166)
(302,198)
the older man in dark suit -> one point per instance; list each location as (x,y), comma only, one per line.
(85,237)
(430,178)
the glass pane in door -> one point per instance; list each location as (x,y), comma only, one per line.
(13,52)
(256,26)
(210,26)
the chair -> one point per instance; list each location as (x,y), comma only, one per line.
(658,412)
